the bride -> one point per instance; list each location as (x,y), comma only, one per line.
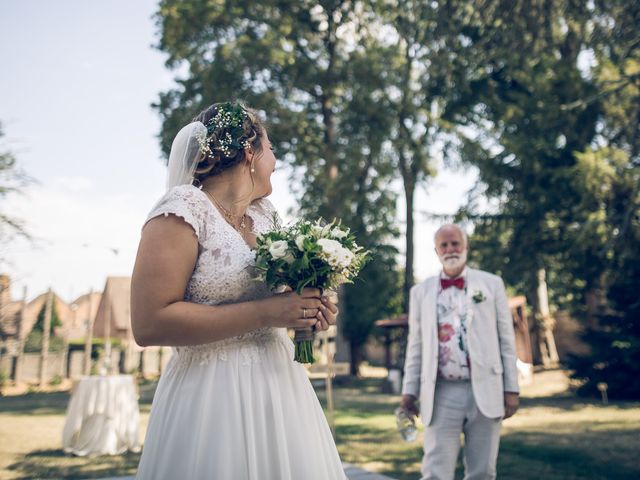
(232,403)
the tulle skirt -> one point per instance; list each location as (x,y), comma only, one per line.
(239,409)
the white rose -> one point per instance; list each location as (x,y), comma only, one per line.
(338,233)
(335,254)
(278,249)
(345,257)
(330,247)
(300,242)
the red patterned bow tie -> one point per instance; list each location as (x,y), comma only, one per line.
(452,282)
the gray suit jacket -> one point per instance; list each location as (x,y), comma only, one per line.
(490,339)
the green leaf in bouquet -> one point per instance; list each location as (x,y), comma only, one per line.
(305,260)
(296,265)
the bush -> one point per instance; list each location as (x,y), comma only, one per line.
(33,343)
(55,319)
(614,343)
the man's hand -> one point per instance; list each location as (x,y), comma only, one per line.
(511,403)
(408,403)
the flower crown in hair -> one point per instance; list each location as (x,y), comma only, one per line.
(226,127)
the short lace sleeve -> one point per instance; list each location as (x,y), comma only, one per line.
(186,202)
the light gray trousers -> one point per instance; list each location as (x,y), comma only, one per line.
(455,412)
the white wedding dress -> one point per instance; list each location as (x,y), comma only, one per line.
(239,408)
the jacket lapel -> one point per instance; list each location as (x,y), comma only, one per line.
(472,286)
(432,300)
(431,310)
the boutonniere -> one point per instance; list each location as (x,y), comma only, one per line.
(478,296)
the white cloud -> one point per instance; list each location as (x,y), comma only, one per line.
(75,184)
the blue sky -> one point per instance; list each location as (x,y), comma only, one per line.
(78,79)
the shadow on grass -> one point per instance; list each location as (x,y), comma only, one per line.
(522,456)
(52,403)
(576,456)
(380,450)
(49,464)
(55,403)
(570,402)
(592,449)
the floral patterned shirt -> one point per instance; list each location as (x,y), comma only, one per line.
(453,317)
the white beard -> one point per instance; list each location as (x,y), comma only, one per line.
(453,261)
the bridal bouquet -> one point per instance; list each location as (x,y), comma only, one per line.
(308,254)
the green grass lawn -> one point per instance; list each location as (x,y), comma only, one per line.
(553,436)
(31,438)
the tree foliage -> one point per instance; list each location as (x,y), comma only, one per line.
(55,319)
(33,341)
(317,71)
(546,105)
(611,182)
(12,180)
(542,98)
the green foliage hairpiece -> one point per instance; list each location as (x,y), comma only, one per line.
(226,130)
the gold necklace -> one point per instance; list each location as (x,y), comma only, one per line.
(228,216)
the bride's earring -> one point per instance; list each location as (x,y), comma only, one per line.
(250,152)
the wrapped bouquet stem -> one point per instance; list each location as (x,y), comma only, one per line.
(308,255)
(303,341)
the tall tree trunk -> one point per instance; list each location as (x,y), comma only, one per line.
(46,331)
(343,344)
(409,192)
(88,340)
(17,376)
(107,335)
(67,358)
(328,116)
(160,354)
(141,364)
(356,357)
(121,361)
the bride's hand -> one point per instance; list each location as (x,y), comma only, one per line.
(327,314)
(291,310)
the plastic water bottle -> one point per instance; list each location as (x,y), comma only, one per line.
(406,424)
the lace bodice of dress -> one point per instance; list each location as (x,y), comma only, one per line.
(224,271)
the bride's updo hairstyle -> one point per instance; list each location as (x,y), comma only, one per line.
(231,127)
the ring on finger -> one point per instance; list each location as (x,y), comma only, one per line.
(304,313)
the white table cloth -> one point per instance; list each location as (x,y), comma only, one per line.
(102,417)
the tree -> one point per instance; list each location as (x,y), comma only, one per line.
(609,175)
(613,329)
(414,97)
(12,179)
(33,342)
(318,71)
(547,94)
(517,68)
(55,319)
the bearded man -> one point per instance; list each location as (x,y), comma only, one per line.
(460,362)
